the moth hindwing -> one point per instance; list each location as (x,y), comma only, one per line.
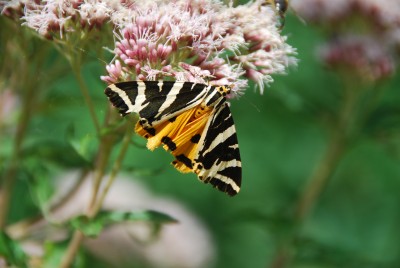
(192,121)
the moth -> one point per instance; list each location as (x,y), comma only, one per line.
(193,121)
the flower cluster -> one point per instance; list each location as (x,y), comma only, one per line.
(13,9)
(55,18)
(359,54)
(379,13)
(356,25)
(201,41)
(198,41)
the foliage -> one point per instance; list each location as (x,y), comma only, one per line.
(103,219)
(12,251)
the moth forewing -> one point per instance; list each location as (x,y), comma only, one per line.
(175,91)
(146,98)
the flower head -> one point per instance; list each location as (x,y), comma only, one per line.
(355,26)
(56,18)
(13,9)
(199,41)
(362,55)
(376,12)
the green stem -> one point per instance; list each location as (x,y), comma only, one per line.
(107,143)
(320,177)
(72,249)
(101,163)
(10,174)
(21,229)
(343,132)
(117,166)
(85,92)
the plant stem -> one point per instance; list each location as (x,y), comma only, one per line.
(72,249)
(101,164)
(10,174)
(107,143)
(343,131)
(22,228)
(85,92)
(116,167)
(320,177)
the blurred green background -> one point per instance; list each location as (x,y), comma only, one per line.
(283,135)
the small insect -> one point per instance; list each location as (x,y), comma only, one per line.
(280,7)
(192,121)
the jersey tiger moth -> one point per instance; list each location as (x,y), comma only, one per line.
(193,121)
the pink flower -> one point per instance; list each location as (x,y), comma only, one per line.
(48,16)
(114,72)
(200,41)
(55,18)
(356,25)
(375,12)
(95,13)
(362,55)
(15,8)
(225,42)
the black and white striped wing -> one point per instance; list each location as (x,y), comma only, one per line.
(155,101)
(218,158)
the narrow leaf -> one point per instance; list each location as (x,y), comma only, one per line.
(11,251)
(93,227)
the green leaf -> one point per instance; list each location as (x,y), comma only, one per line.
(50,150)
(38,174)
(93,227)
(80,145)
(54,252)
(147,215)
(11,250)
(42,188)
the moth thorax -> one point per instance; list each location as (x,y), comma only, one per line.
(216,94)
(201,109)
(223,90)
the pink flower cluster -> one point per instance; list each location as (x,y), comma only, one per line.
(379,13)
(202,41)
(363,55)
(199,41)
(356,26)
(53,18)
(14,8)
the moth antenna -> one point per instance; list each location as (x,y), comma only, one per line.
(252,104)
